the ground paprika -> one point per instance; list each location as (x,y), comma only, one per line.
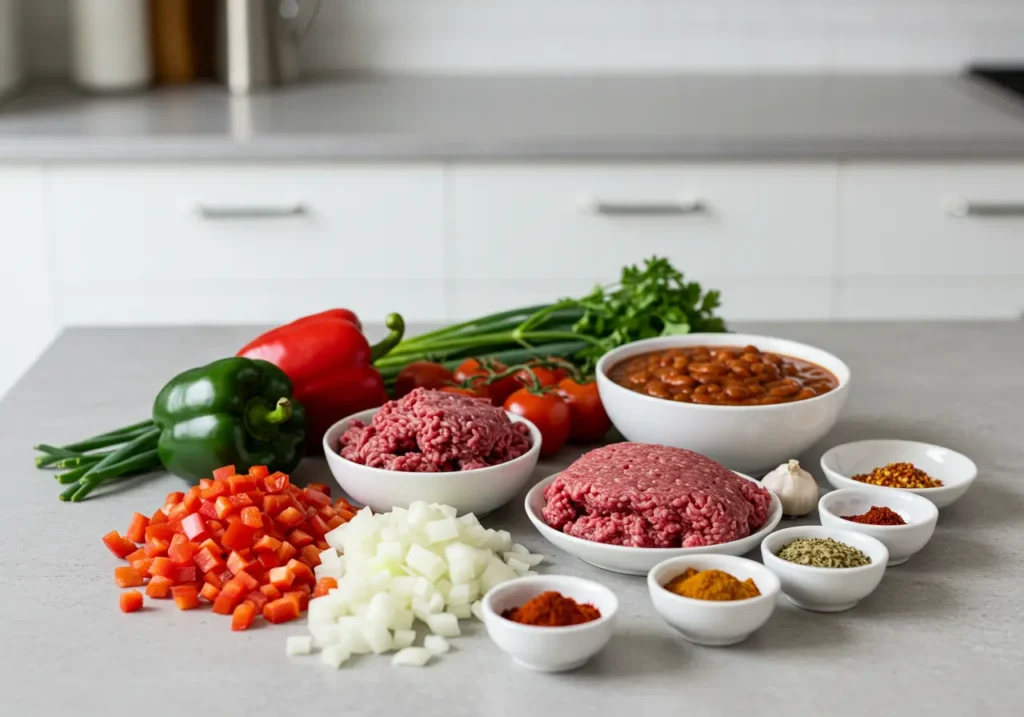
(878,515)
(552,609)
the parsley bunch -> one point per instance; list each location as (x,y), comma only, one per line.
(653,300)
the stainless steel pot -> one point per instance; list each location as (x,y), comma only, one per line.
(260,39)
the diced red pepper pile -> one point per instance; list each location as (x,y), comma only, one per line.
(248,544)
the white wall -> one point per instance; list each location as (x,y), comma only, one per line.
(628,35)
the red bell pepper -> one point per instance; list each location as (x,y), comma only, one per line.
(330,364)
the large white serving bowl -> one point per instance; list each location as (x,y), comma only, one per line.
(549,649)
(955,470)
(902,541)
(713,622)
(479,491)
(825,589)
(637,561)
(742,438)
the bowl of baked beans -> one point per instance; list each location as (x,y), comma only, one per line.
(750,402)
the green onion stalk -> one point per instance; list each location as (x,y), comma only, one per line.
(647,301)
(86,468)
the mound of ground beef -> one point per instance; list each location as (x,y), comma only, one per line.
(649,496)
(433,431)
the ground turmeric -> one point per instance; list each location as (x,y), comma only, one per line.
(712,585)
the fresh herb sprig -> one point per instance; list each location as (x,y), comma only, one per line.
(655,300)
(649,300)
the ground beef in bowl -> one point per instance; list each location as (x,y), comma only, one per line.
(435,431)
(649,496)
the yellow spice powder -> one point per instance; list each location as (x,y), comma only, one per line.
(712,585)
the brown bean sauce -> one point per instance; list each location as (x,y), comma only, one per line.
(723,376)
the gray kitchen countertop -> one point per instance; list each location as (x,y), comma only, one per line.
(766,117)
(942,635)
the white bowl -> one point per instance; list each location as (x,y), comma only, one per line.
(479,491)
(743,438)
(902,541)
(550,649)
(955,470)
(711,622)
(825,589)
(637,561)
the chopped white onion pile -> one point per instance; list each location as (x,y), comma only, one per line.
(422,563)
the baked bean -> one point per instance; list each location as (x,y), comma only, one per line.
(679,379)
(658,389)
(737,392)
(710,368)
(723,375)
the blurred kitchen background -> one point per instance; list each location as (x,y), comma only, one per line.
(813,159)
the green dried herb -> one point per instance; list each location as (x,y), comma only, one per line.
(823,553)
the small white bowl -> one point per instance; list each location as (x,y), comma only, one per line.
(479,491)
(825,589)
(550,649)
(637,561)
(711,622)
(902,541)
(955,470)
(742,438)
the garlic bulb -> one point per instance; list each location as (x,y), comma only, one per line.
(796,488)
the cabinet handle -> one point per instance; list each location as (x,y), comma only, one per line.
(968,208)
(648,209)
(208,211)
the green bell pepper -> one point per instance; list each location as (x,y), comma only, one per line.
(235,411)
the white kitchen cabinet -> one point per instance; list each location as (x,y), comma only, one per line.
(247,243)
(946,298)
(762,233)
(27,311)
(931,241)
(587,220)
(932,220)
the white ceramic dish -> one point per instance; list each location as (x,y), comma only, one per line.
(550,649)
(955,470)
(710,622)
(742,438)
(902,541)
(477,491)
(825,589)
(636,561)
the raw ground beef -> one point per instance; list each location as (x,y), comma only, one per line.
(650,496)
(432,431)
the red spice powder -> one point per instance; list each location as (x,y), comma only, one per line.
(552,609)
(877,516)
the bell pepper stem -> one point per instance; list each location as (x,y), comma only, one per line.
(281,413)
(262,422)
(396,326)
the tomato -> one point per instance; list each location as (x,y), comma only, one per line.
(548,411)
(475,392)
(476,372)
(469,368)
(421,374)
(589,420)
(546,376)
